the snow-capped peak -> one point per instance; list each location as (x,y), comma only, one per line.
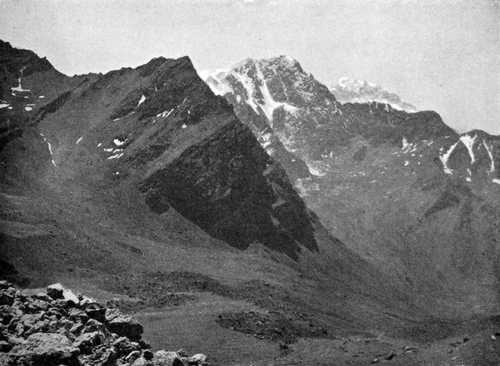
(350,90)
(250,80)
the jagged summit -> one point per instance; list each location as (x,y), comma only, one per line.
(160,128)
(349,90)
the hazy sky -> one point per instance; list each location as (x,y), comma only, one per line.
(440,55)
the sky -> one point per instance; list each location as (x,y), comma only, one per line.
(441,55)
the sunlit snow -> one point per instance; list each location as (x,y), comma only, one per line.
(468,141)
(19,88)
(119,142)
(490,154)
(142,100)
(444,158)
(116,156)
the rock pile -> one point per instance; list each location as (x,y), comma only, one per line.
(56,328)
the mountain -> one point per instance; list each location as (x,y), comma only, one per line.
(272,218)
(403,190)
(142,187)
(159,127)
(349,90)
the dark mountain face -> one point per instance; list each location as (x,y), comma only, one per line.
(160,129)
(410,195)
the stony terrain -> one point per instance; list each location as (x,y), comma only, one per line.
(57,327)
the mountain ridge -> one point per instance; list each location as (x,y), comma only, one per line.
(365,159)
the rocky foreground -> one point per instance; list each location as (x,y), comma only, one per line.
(58,328)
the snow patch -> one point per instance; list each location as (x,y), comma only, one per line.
(119,142)
(115,156)
(4,105)
(269,103)
(314,170)
(19,88)
(265,139)
(490,154)
(79,140)
(469,175)
(49,146)
(275,221)
(165,113)
(406,163)
(496,180)
(469,144)
(142,100)
(280,201)
(444,158)
(28,108)
(249,89)
(218,84)
(268,170)
(405,145)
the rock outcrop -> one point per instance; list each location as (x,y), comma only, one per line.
(50,329)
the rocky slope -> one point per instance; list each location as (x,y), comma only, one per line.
(405,191)
(57,327)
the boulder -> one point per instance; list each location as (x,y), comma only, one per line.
(96,311)
(124,346)
(123,325)
(7,297)
(86,341)
(132,356)
(48,349)
(93,325)
(55,291)
(166,358)
(141,361)
(147,354)
(42,296)
(78,315)
(76,328)
(197,359)
(5,346)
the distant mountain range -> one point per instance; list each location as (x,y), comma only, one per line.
(400,188)
(349,90)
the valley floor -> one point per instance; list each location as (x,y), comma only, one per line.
(191,320)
